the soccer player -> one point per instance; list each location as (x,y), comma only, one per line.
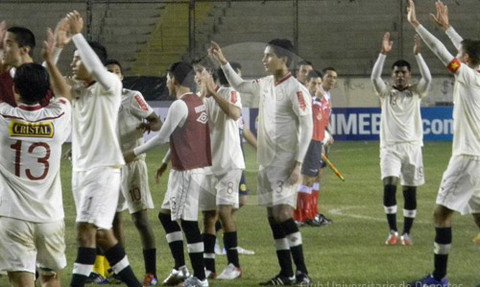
(285,129)
(306,212)
(17,44)
(224,108)
(186,123)
(135,192)
(32,228)
(96,157)
(303,68)
(460,186)
(401,136)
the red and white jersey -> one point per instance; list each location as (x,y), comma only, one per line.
(94,137)
(133,110)
(321,109)
(31,148)
(466,109)
(280,104)
(224,139)
(190,143)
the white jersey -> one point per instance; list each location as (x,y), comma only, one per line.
(466,110)
(133,110)
(280,106)
(95,112)
(285,124)
(31,148)
(401,121)
(224,138)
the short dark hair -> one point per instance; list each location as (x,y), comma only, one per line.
(401,63)
(313,74)
(236,66)
(100,50)
(24,37)
(183,74)
(282,48)
(325,70)
(205,62)
(304,63)
(114,62)
(222,79)
(32,82)
(472,49)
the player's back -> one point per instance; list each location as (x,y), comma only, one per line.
(30,160)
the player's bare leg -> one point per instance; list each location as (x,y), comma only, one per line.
(51,279)
(476,218)
(142,223)
(117,227)
(21,279)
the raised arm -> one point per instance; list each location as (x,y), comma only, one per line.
(233,78)
(376,76)
(442,21)
(433,43)
(176,116)
(230,109)
(88,56)
(57,81)
(426,79)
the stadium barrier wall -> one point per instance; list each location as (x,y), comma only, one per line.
(362,124)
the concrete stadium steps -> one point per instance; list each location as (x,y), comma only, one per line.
(169,41)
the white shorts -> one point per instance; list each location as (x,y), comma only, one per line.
(26,246)
(460,187)
(184,188)
(95,192)
(405,161)
(223,190)
(273,188)
(134,190)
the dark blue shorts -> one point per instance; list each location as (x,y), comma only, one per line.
(313,159)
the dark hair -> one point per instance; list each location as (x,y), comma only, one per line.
(325,70)
(24,37)
(236,66)
(313,74)
(282,48)
(205,62)
(114,62)
(304,63)
(401,63)
(183,74)
(221,77)
(32,82)
(100,50)
(472,49)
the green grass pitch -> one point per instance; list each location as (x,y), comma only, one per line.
(350,252)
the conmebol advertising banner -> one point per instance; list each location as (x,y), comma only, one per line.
(363,124)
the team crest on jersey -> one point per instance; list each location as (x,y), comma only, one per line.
(36,130)
(199,109)
(301,101)
(203,118)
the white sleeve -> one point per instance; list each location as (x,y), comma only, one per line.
(426,79)
(376,77)
(93,63)
(454,37)
(306,132)
(435,45)
(237,82)
(176,116)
